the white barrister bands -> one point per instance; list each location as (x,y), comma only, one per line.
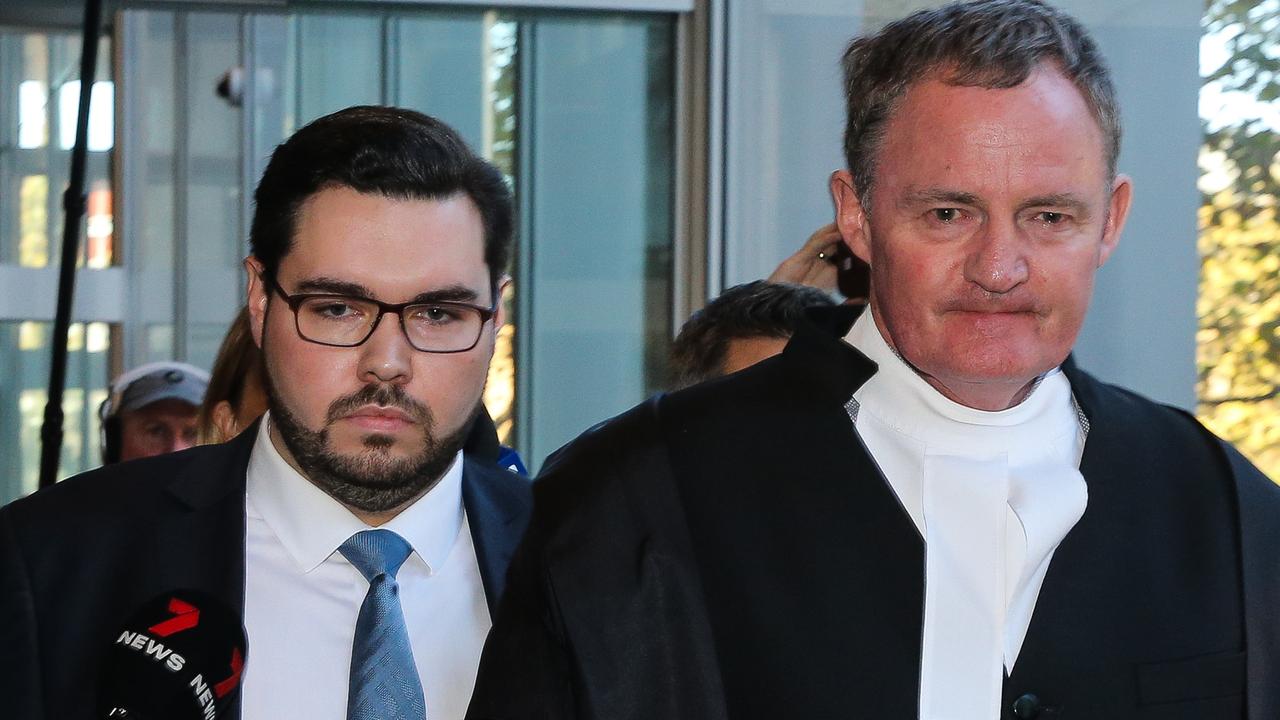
(993,494)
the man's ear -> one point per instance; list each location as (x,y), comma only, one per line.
(257,293)
(500,318)
(224,419)
(851,217)
(1117,213)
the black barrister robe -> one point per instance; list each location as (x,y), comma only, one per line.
(731,551)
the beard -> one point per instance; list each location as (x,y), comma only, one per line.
(372,480)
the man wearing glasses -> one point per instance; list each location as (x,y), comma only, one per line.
(363,545)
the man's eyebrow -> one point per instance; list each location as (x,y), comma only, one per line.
(451,293)
(333,286)
(1058,200)
(926,196)
(932,195)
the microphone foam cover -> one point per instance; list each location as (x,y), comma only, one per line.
(179,657)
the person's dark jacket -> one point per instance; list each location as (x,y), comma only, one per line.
(732,551)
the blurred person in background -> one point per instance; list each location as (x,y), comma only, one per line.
(236,395)
(753,321)
(151,410)
(742,326)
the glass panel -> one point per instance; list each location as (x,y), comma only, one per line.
(339,63)
(154,102)
(440,70)
(212,278)
(99,226)
(101,115)
(272,103)
(33,121)
(37,127)
(498,143)
(33,88)
(33,221)
(38,87)
(500,77)
(598,222)
(24,355)
(785,118)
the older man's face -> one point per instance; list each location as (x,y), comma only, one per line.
(161,427)
(990,213)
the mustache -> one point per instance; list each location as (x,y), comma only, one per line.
(387,396)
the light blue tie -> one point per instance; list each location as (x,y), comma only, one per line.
(384,679)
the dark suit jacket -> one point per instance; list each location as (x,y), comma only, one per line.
(78,558)
(731,551)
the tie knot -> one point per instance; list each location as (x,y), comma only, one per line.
(375,552)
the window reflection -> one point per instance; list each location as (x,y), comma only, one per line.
(24,356)
(33,221)
(34,68)
(99,227)
(101,115)
(33,122)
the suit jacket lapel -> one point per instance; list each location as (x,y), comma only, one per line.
(876,536)
(204,545)
(201,545)
(792,497)
(497,503)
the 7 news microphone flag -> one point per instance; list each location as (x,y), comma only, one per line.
(179,657)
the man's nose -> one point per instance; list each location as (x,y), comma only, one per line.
(997,261)
(386,357)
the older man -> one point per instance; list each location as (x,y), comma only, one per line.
(923,510)
(359,542)
(151,411)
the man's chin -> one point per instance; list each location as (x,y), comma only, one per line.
(376,448)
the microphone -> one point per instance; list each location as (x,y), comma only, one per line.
(179,657)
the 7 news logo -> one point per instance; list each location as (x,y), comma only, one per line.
(184,617)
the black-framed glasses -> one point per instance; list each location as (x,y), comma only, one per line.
(348,320)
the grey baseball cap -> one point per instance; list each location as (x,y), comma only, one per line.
(157,381)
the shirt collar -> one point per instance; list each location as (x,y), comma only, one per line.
(915,392)
(311,525)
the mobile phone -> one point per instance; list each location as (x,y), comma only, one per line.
(853,276)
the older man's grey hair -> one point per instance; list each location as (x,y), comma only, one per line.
(984,43)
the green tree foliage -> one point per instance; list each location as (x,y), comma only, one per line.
(1239,306)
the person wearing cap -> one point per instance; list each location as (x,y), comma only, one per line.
(152,411)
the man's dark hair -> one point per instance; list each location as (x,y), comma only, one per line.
(985,43)
(387,151)
(754,309)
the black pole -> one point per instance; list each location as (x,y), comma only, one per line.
(73,204)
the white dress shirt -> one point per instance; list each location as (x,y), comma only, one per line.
(993,494)
(302,596)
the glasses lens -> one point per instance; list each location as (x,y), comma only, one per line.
(336,320)
(442,327)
